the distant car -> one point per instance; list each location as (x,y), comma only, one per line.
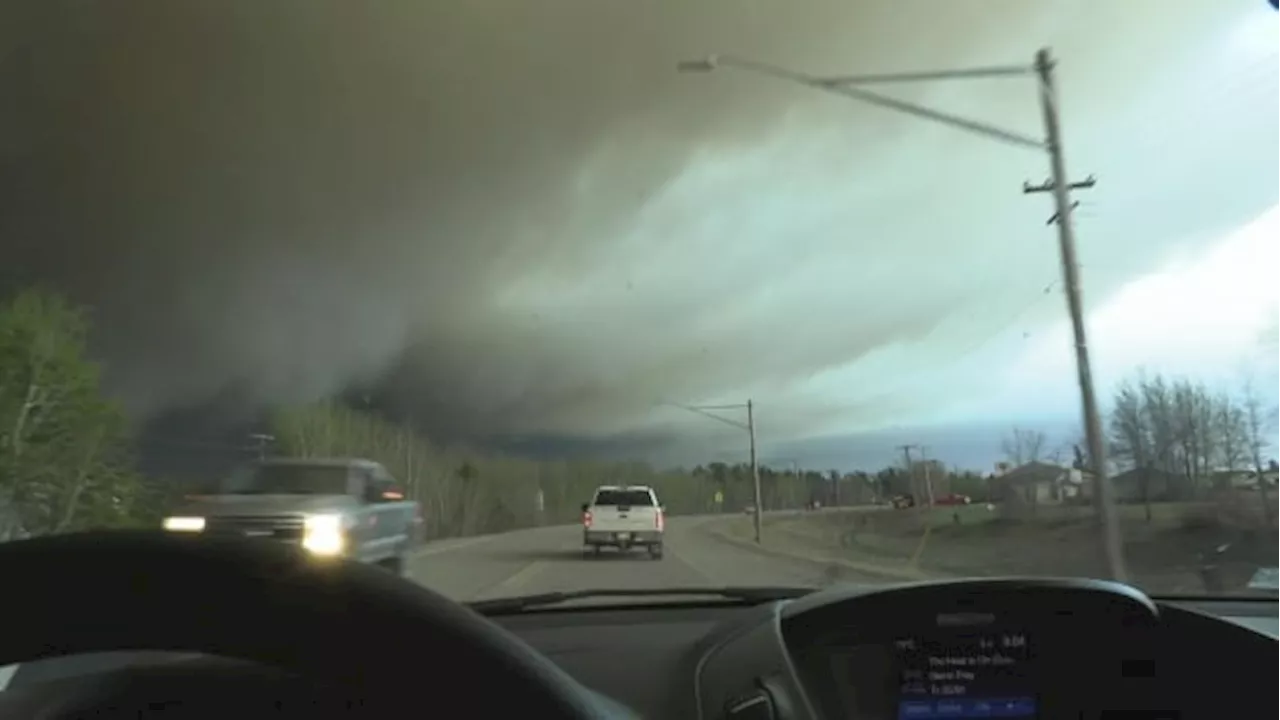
(953,499)
(749,509)
(623,517)
(901,502)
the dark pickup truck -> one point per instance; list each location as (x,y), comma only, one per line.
(331,507)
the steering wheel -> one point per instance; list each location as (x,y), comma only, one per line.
(376,639)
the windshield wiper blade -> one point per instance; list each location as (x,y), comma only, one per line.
(745,595)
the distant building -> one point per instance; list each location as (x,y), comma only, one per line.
(1035,483)
(1151,485)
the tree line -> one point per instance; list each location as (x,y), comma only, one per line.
(1207,440)
(66,458)
(466,491)
(1180,440)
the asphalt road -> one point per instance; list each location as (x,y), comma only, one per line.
(550,559)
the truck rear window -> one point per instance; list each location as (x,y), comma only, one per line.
(632,498)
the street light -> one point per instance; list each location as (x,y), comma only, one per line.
(750,426)
(1058,186)
(262,441)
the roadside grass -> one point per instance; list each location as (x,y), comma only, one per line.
(1167,555)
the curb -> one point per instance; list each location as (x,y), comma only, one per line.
(872,569)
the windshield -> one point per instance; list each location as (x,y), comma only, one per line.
(284,479)
(863,292)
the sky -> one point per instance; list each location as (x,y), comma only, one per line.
(515,220)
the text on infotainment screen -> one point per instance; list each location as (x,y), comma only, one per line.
(966,675)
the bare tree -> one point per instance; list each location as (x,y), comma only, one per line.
(1134,443)
(1023,446)
(1175,427)
(1231,426)
(1260,424)
(1157,408)
(1194,436)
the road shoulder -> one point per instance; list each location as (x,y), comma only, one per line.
(778,545)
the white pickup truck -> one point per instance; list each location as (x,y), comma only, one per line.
(623,517)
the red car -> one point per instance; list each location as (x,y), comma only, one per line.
(953,499)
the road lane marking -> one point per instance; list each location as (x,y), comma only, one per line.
(513,582)
(447,545)
(669,550)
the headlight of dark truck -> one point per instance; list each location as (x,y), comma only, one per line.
(324,534)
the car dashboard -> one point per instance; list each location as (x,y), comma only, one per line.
(975,649)
(958,649)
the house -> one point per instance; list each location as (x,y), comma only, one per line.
(1078,486)
(1035,483)
(1149,484)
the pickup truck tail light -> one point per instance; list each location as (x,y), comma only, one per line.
(658,519)
(586,518)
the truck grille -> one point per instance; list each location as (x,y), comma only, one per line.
(277,527)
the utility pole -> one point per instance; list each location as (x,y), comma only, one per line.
(928,479)
(854,87)
(750,427)
(911,470)
(800,484)
(755,467)
(1113,555)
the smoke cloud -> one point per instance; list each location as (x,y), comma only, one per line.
(511,217)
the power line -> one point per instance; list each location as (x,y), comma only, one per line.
(709,411)
(906,455)
(1043,69)
(911,469)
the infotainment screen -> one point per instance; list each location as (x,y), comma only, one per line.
(965,673)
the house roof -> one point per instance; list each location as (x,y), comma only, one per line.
(1150,473)
(1033,473)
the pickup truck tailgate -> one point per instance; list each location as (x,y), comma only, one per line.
(623,518)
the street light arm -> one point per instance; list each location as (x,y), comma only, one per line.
(962,74)
(705,411)
(841,86)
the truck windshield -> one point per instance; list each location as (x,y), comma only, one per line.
(288,480)
(624,498)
